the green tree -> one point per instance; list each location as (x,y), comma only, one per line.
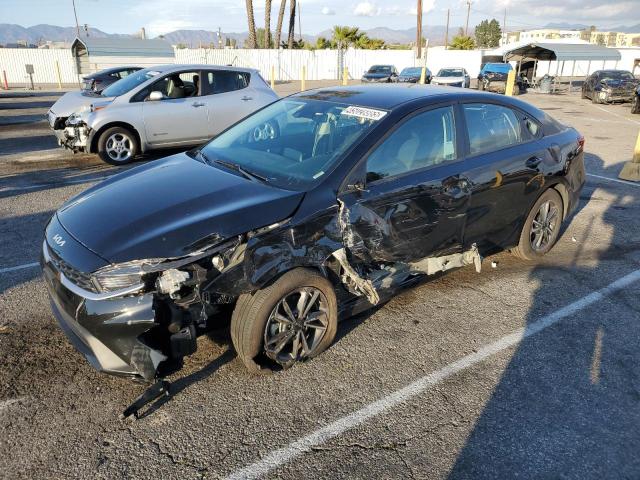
(460,42)
(488,34)
(322,42)
(366,43)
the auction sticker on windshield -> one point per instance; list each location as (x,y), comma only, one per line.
(366,113)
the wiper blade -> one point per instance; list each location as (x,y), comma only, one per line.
(247,173)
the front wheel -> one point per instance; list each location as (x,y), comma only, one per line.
(635,104)
(117,146)
(292,320)
(541,228)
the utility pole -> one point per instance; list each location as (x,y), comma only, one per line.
(76,15)
(419,29)
(446,33)
(504,26)
(466,28)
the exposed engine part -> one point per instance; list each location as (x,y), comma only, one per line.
(217,262)
(171,281)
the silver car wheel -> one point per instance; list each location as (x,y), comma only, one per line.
(544,226)
(119,147)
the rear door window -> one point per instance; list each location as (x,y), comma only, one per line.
(491,127)
(223,81)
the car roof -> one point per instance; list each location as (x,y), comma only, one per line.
(181,66)
(385,97)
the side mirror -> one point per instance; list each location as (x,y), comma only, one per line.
(155,96)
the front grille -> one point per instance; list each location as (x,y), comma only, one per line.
(81,279)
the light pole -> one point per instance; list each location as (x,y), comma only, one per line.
(419,29)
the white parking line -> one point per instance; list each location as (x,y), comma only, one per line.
(625,182)
(19,267)
(615,114)
(284,455)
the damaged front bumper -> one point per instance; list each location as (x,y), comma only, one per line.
(72,134)
(106,328)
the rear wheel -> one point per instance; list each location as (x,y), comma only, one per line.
(292,320)
(117,146)
(541,228)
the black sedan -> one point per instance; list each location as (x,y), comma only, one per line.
(380,74)
(96,82)
(606,86)
(413,74)
(314,208)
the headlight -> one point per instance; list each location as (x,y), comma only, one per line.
(119,276)
(74,119)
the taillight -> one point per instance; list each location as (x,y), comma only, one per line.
(581,142)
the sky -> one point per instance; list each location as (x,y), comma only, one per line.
(163,16)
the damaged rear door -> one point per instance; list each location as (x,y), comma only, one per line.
(406,200)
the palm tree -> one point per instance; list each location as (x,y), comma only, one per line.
(267,24)
(251,41)
(462,42)
(283,4)
(346,36)
(292,22)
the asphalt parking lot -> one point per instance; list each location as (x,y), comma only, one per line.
(521,371)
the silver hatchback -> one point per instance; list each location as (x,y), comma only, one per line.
(159,107)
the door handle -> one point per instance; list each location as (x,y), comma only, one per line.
(533,162)
(197,104)
(245,98)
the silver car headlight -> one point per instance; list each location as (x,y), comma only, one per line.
(74,119)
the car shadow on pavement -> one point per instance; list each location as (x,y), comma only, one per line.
(566,405)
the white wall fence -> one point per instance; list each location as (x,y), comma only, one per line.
(320,64)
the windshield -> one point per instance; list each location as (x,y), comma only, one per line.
(380,69)
(497,67)
(129,82)
(292,143)
(411,71)
(617,75)
(450,72)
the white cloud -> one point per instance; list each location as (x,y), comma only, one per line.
(328,11)
(366,9)
(427,6)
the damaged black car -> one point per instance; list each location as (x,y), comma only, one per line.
(314,208)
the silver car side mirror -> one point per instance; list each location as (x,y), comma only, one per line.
(155,96)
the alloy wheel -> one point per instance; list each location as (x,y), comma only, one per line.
(296,326)
(544,226)
(119,147)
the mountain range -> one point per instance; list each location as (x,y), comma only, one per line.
(11,33)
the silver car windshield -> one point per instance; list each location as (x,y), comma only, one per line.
(128,83)
(292,143)
(450,72)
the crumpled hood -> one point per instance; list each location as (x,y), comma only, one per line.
(74,102)
(447,79)
(164,208)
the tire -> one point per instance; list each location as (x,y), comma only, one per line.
(635,104)
(595,99)
(118,154)
(526,248)
(480,85)
(254,321)
(583,94)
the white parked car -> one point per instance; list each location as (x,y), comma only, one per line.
(163,106)
(452,77)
